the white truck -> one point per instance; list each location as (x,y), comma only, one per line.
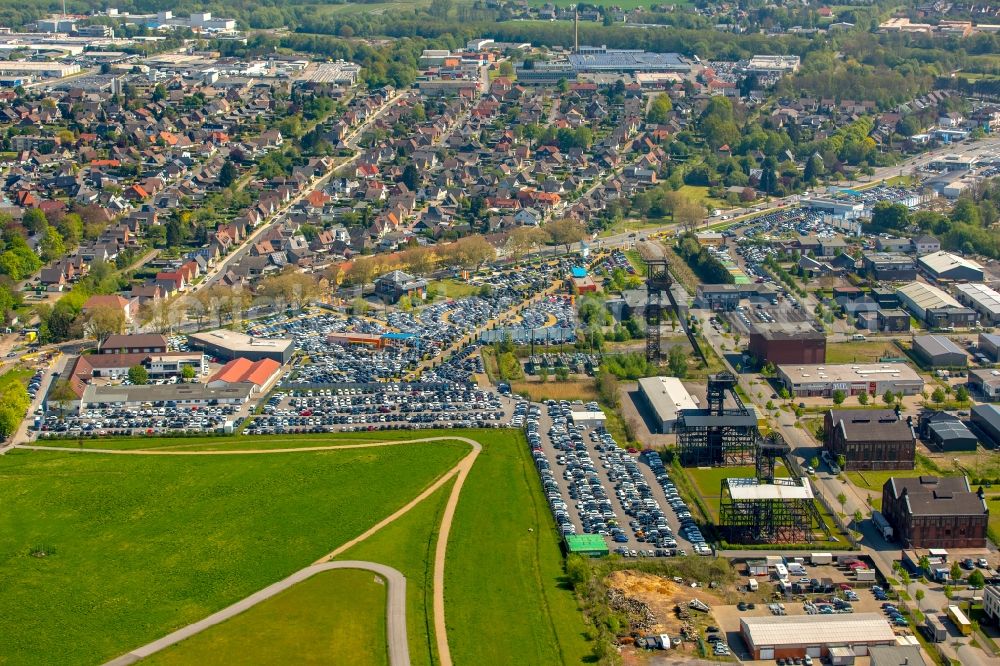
(882,525)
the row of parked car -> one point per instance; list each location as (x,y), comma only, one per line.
(141,421)
(648,521)
(689,528)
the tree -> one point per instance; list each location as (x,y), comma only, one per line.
(566,231)
(938,395)
(977,579)
(920,594)
(52,244)
(925,564)
(506,69)
(842,498)
(411,177)
(863,398)
(962,394)
(34,220)
(956,571)
(814,169)
(659,109)
(888,397)
(363,270)
(888,215)
(677,362)
(687,213)
(62,394)
(188,372)
(138,375)
(471,251)
(228,174)
(858,517)
(814,462)
(103,322)
(838,397)
(523,240)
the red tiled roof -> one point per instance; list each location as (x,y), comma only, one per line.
(244,370)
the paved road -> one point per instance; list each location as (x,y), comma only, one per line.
(399,650)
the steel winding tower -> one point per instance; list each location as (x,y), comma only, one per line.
(658,283)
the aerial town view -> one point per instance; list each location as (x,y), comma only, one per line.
(499,332)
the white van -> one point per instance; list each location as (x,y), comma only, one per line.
(857,337)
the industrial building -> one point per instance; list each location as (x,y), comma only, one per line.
(790,636)
(721,435)
(888,266)
(932,305)
(779,342)
(603,59)
(937,351)
(166,395)
(852,379)
(935,512)
(984,300)
(728,296)
(985,383)
(773,64)
(943,265)
(230,344)
(892,320)
(989,345)
(986,419)
(896,655)
(37,68)
(870,439)
(666,397)
(946,432)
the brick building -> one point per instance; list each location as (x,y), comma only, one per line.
(870,439)
(935,512)
(786,343)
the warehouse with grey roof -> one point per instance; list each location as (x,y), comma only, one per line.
(791,636)
(937,351)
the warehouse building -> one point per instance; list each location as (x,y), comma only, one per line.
(728,296)
(888,266)
(918,298)
(791,636)
(989,344)
(779,342)
(935,512)
(870,439)
(852,379)
(165,395)
(603,59)
(984,300)
(946,432)
(986,419)
(986,383)
(230,345)
(947,266)
(665,397)
(937,351)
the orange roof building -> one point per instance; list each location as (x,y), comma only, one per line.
(260,373)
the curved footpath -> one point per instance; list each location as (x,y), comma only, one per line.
(396,608)
(399,650)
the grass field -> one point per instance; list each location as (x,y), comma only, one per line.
(506,596)
(104,553)
(301,625)
(452,288)
(408,546)
(576,389)
(868,351)
(708,480)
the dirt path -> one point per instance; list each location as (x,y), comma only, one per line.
(460,472)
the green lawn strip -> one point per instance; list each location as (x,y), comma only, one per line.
(506,596)
(869,351)
(303,625)
(408,546)
(247,442)
(101,554)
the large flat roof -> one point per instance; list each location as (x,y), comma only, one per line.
(848,372)
(941,261)
(817,629)
(937,344)
(667,396)
(753,489)
(240,341)
(165,393)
